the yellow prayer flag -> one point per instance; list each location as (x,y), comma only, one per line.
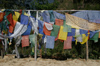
(32,49)
(5,32)
(16,16)
(26,14)
(62,35)
(84,39)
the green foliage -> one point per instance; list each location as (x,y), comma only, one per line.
(77,51)
(46,6)
(57,4)
(11,4)
(79,4)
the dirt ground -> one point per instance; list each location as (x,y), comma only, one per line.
(11,61)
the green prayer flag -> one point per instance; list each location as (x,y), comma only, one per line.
(32,39)
(66,28)
(55,30)
(52,18)
(95,37)
(5,17)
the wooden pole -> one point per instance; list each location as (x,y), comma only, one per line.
(6,44)
(1,54)
(3,48)
(87,50)
(35,48)
(36,38)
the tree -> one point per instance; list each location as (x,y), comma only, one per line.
(43,4)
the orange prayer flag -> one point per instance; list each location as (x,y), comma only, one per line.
(11,27)
(99,34)
(58,22)
(1,16)
(46,31)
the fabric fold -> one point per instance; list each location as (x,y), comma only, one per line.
(11,27)
(34,24)
(84,39)
(28,31)
(80,23)
(78,35)
(48,26)
(32,39)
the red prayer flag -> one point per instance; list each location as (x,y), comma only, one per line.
(11,27)
(2,16)
(58,22)
(68,43)
(10,19)
(25,41)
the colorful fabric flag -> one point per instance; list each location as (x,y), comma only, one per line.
(99,34)
(32,39)
(40,24)
(7,16)
(26,14)
(78,35)
(34,24)
(58,22)
(57,36)
(84,32)
(67,28)
(24,19)
(84,39)
(28,31)
(52,17)
(10,19)
(11,27)
(62,35)
(68,43)
(32,49)
(50,42)
(46,31)
(59,15)
(19,30)
(55,30)
(95,37)
(80,23)
(92,33)
(46,16)
(72,33)
(90,15)
(1,16)
(25,41)
(48,26)
(16,16)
